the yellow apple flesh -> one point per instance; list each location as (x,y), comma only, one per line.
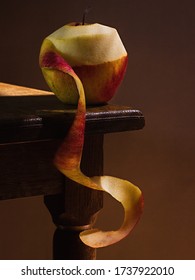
(96,54)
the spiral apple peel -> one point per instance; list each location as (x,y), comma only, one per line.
(60,66)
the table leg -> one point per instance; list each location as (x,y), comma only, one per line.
(76,208)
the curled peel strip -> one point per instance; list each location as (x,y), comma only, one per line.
(68,158)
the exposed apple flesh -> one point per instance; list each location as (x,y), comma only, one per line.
(58,72)
(97,56)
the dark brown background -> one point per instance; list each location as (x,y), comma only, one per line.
(160,39)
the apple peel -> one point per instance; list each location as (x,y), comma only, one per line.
(68,158)
(131,199)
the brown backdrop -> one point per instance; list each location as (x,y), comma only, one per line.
(160,39)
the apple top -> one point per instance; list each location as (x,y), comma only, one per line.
(89,44)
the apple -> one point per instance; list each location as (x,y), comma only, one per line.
(96,54)
(86,63)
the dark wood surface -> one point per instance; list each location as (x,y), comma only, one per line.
(32,125)
(40,116)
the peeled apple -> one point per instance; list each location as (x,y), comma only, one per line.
(96,54)
(84,64)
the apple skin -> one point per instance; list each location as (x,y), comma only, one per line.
(100,81)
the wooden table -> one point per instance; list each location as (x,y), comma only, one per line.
(32,125)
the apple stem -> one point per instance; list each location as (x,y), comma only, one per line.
(84,14)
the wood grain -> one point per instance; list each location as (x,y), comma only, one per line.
(14,90)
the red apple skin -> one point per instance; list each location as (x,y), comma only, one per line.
(101,81)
